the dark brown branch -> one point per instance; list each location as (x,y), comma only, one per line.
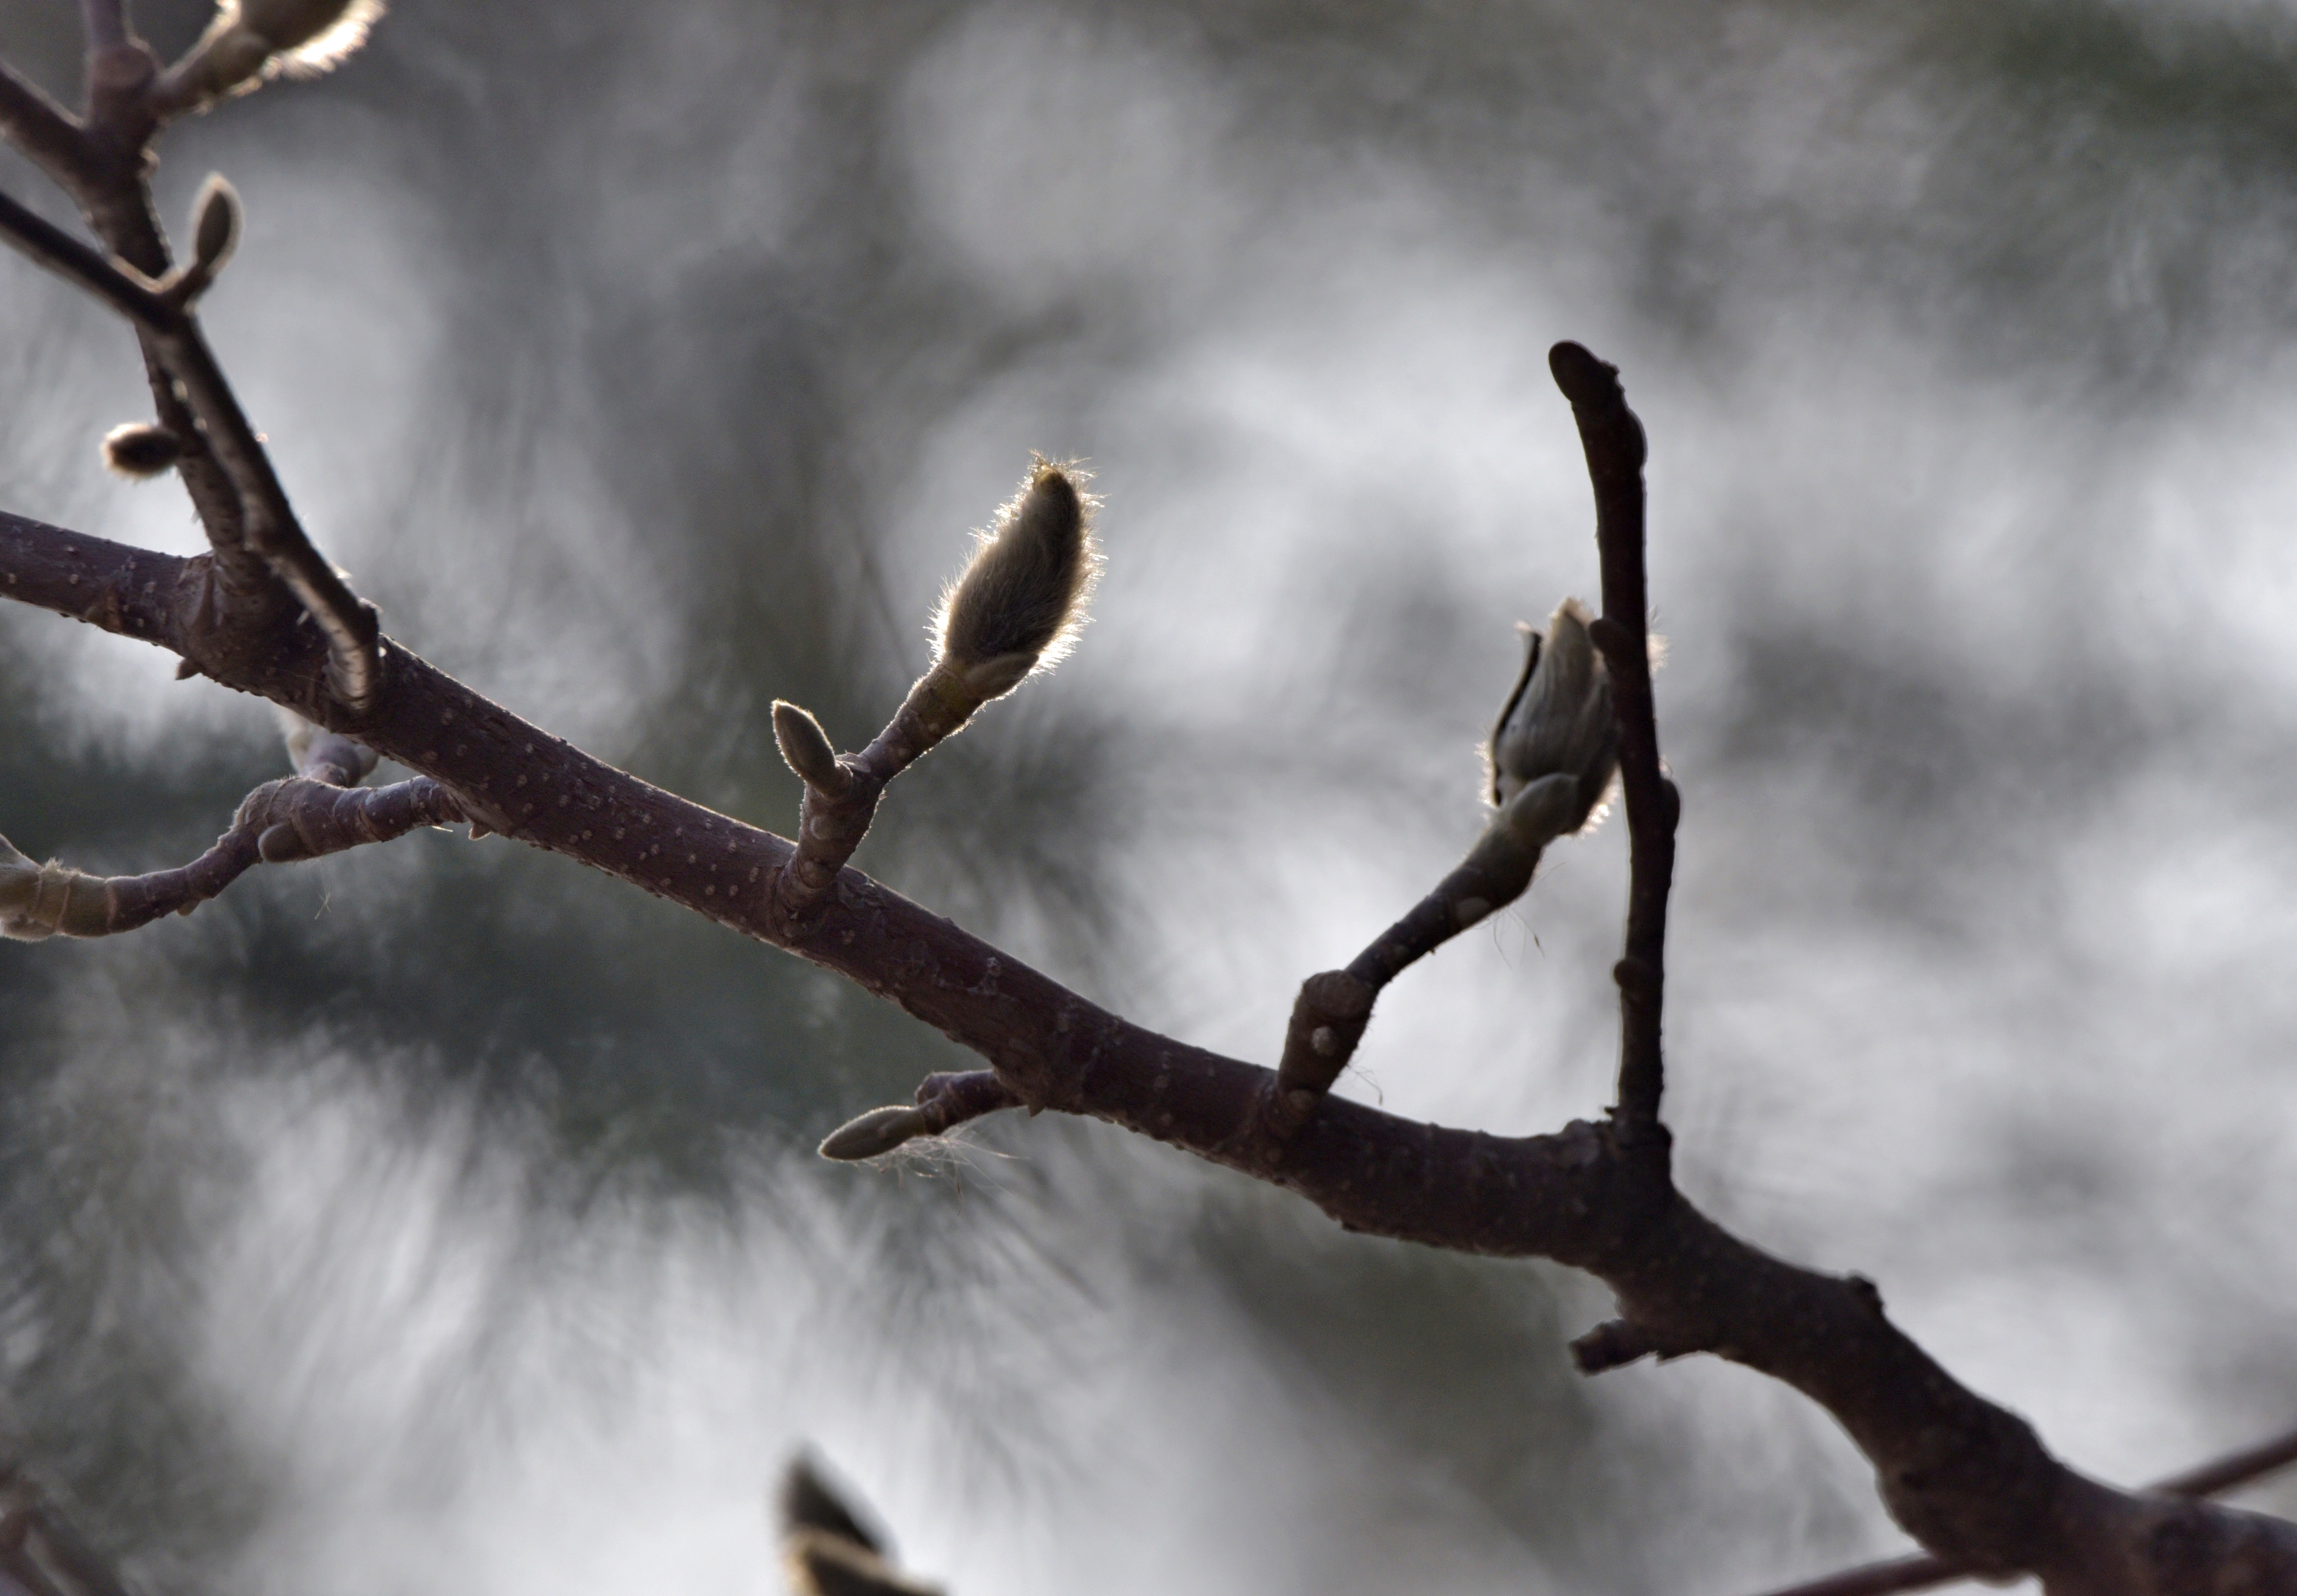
(1969,1480)
(104,168)
(294,818)
(1920,1572)
(834,816)
(1613,439)
(47,133)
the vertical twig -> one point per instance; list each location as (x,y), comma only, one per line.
(1614,442)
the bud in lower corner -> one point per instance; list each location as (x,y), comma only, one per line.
(1558,721)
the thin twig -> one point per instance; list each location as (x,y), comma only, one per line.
(294,818)
(1964,1475)
(106,22)
(1925,1573)
(269,526)
(46,132)
(1613,439)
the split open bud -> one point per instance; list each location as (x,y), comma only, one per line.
(1558,721)
(251,40)
(141,449)
(1020,601)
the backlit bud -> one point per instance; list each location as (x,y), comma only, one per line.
(215,225)
(1019,603)
(1558,720)
(139,448)
(806,749)
(251,40)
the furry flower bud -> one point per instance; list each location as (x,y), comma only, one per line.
(140,448)
(1020,601)
(251,40)
(1558,721)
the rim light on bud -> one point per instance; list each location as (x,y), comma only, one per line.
(140,449)
(1019,603)
(251,40)
(215,225)
(1558,720)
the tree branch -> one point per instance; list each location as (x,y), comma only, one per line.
(1613,439)
(1923,1572)
(1968,1479)
(268,524)
(294,818)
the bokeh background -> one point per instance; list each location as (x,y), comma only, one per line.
(443,1216)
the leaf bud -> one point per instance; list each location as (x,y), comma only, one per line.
(215,225)
(874,1133)
(1020,601)
(141,449)
(807,750)
(1559,719)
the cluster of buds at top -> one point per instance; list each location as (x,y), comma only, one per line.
(251,40)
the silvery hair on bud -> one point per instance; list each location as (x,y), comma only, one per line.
(1021,598)
(251,40)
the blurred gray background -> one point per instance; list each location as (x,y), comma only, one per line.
(442,1215)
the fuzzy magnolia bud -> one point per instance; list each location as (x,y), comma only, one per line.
(1019,603)
(1558,721)
(251,40)
(215,225)
(874,1133)
(139,448)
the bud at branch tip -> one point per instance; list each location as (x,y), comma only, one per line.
(1020,601)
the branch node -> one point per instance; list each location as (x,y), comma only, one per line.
(1614,1344)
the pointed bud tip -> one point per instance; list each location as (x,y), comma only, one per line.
(806,748)
(215,224)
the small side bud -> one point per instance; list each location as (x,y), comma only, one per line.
(807,750)
(1559,719)
(874,1133)
(140,449)
(1019,603)
(216,214)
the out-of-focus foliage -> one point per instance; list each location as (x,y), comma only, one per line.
(442,1213)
